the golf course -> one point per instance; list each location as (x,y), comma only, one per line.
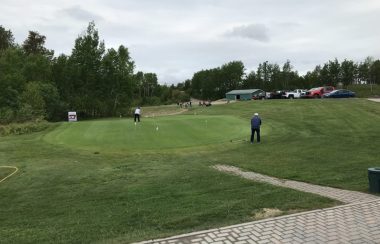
(116,181)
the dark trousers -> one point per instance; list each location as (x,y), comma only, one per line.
(137,116)
(253,130)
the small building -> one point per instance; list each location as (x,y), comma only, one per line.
(245,94)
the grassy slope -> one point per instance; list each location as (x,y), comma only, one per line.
(68,195)
(327,142)
(161,110)
(63,195)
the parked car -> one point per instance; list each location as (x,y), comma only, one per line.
(318,92)
(260,94)
(297,93)
(339,94)
(276,95)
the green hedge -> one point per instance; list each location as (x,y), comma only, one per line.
(23,128)
(365,90)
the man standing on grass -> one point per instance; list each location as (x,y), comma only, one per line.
(137,114)
(255,127)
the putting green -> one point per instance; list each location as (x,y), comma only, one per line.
(151,133)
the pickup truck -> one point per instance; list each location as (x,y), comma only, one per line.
(318,92)
(297,93)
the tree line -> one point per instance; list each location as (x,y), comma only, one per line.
(98,82)
(214,83)
(93,80)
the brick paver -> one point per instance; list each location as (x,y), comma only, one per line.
(351,223)
(357,222)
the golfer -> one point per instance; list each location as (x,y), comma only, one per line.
(137,114)
(255,127)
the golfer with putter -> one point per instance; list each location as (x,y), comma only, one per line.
(255,127)
(137,114)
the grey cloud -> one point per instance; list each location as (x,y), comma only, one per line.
(177,38)
(76,12)
(258,32)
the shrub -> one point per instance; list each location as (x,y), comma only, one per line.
(23,128)
(365,90)
(6,115)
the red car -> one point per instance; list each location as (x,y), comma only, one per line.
(318,92)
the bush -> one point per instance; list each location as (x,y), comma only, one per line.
(6,115)
(365,90)
(152,101)
(23,128)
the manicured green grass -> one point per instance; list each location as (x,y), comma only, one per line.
(164,132)
(128,191)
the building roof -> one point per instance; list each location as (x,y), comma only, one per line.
(248,91)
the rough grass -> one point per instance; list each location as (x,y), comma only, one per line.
(23,128)
(64,194)
(151,111)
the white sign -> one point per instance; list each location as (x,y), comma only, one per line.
(72,116)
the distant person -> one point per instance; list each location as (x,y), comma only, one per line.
(255,127)
(137,114)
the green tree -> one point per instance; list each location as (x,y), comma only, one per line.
(33,102)
(117,70)
(6,38)
(349,72)
(34,44)
(85,72)
(231,76)
(37,67)
(251,81)
(12,80)
(374,72)
(364,70)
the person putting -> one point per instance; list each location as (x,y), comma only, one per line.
(137,114)
(255,127)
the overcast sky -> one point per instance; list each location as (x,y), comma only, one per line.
(175,38)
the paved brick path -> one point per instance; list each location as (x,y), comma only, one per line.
(344,196)
(357,222)
(375,99)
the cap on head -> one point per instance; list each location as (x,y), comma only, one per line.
(256,114)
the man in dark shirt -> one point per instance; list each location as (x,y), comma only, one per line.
(255,127)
